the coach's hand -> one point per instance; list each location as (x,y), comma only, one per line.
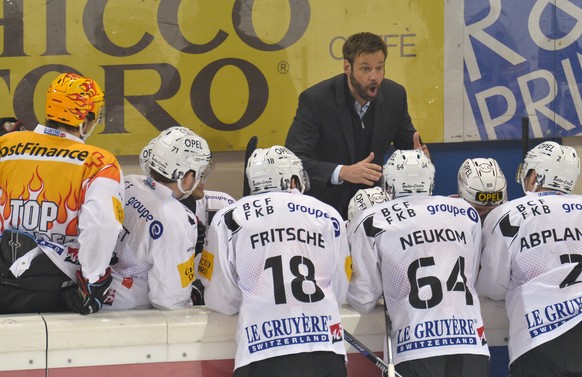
(365,172)
(418,144)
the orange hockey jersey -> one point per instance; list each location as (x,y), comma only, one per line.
(66,194)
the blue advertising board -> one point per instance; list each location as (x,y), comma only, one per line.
(523,58)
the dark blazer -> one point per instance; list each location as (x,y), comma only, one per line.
(322,134)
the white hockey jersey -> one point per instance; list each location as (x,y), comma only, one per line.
(282,261)
(153,262)
(421,253)
(210,203)
(532,258)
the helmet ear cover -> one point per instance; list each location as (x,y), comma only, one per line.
(408,172)
(274,169)
(72,98)
(480,181)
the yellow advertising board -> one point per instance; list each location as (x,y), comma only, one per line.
(226,69)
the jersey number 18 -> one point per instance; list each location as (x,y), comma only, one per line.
(276,264)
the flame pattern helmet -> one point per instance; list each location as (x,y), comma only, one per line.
(72,98)
(178,150)
(271,169)
(481,181)
(366,198)
(408,172)
(557,167)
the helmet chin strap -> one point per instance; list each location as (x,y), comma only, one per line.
(185,193)
(85,135)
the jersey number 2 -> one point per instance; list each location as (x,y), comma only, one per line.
(276,264)
(576,271)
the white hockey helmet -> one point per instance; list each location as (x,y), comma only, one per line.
(271,169)
(557,167)
(366,198)
(408,172)
(146,152)
(178,150)
(481,181)
(144,156)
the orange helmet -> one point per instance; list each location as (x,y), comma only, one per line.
(70,99)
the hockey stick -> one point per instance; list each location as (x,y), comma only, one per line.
(360,347)
(251,146)
(524,136)
(389,355)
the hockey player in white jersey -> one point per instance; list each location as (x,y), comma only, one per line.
(532,258)
(422,253)
(481,182)
(153,262)
(204,203)
(207,202)
(281,260)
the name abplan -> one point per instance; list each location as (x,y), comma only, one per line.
(550,235)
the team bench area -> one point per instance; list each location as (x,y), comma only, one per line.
(193,342)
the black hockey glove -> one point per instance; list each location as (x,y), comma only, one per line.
(197,294)
(87,298)
(10,124)
(201,236)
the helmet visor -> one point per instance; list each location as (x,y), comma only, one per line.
(305,179)
(205,173)
(520,173)
(99,117)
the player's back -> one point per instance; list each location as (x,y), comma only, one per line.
(153,262)
(427,231)
(155,223)
(538,230)
(53,185)
(537,239)
(288,252)
(428,249)
(45,176)
(281,229)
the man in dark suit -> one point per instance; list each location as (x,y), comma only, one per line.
(344,125)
